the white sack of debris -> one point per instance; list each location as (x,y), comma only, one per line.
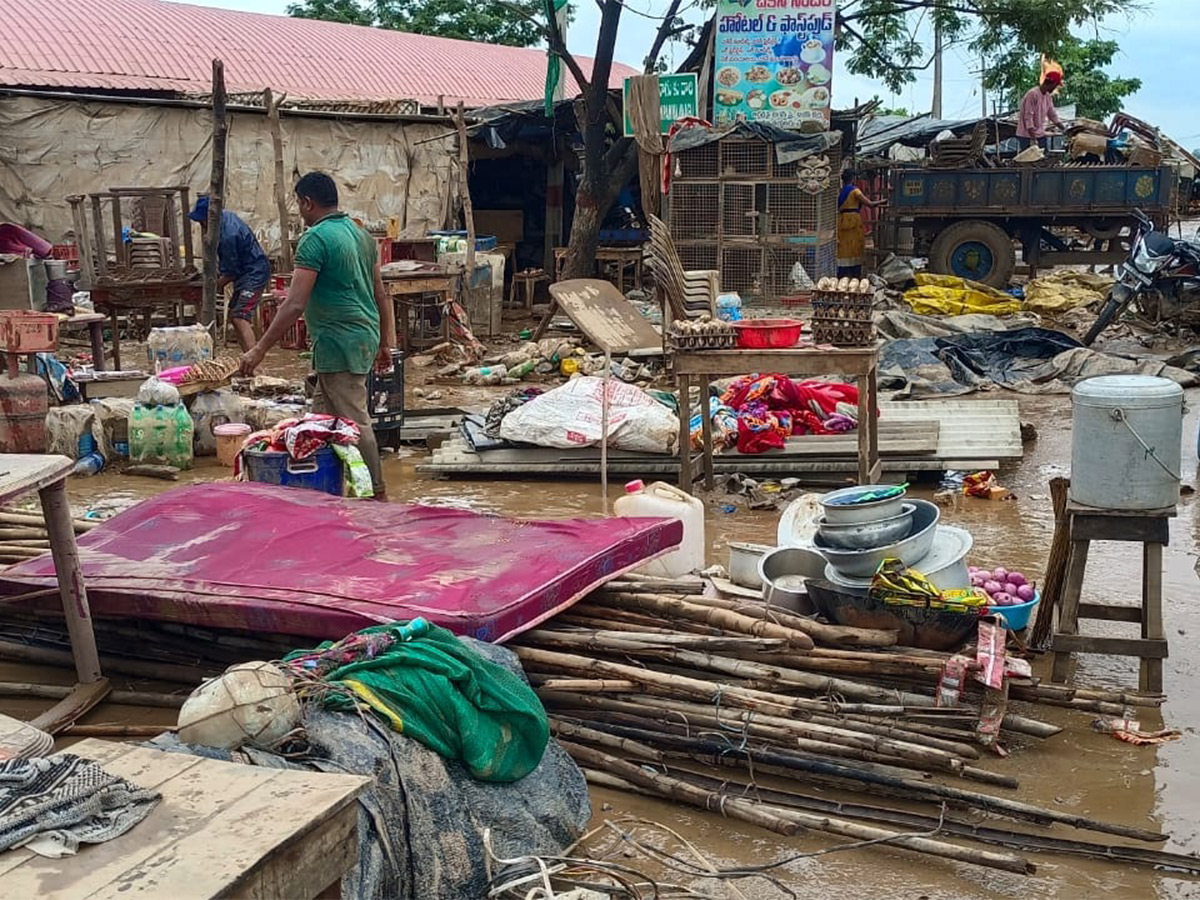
(572,416)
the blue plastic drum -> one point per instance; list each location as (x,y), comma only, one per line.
(320,472)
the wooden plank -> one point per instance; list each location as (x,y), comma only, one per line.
(228,848)
(1110,612)
(219,825)
(1150,676)
(602,313)
(307,867)
(1082,643)
(799,361)
(22,473)
(1109,528)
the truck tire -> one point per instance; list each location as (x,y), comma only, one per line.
(976,250)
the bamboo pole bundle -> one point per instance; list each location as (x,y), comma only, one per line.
(713,617)
(779,819)
(9,517)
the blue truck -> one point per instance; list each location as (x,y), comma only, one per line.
(971,222)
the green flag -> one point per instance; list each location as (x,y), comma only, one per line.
(556,9)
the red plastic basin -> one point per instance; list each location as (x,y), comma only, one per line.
(767,334)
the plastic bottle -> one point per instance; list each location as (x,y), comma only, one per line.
(161,434)
(89,465)
(662,500)
(519,372)
(484,375)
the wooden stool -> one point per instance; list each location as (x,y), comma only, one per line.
(1146,527)
(526,283)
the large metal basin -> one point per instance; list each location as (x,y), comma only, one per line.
(847,514)
(945,565)
(864,563)
(867,535)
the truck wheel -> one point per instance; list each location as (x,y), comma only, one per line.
(976,250)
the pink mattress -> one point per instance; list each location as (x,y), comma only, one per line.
(290,561)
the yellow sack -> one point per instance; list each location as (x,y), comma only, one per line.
(949,295)
(1061,292)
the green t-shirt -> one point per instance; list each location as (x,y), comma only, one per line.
(342,317)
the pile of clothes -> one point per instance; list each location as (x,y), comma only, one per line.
(301,437)
(770,408)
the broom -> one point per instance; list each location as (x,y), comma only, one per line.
(1056,565)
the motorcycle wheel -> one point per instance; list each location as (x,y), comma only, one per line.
(1113,307)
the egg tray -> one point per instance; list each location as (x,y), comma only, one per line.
(843,334)
(721,341)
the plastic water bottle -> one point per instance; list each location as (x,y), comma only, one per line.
(417,628)
(89,464)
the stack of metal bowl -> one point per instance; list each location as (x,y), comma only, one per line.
(855,537)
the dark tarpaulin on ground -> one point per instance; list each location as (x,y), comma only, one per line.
(421,821)
(1026,360)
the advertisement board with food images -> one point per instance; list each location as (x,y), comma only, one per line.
(774,63)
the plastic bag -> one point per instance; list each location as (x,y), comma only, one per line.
(65,425)
(156,392)
(572,416)
(184,345)
(210,409)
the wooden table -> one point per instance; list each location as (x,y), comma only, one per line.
(21,474)
(94,323)
(221,830)
(402,287)
(624,257)
(702,366)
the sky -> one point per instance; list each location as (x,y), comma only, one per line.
(1158,45)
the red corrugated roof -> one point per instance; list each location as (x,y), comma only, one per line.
(147,45)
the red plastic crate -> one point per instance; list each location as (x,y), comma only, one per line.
(295,338)
(69,252)
(22,331)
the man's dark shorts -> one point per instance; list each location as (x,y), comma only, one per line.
(244,303)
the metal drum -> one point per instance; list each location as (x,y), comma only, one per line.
(1126,442)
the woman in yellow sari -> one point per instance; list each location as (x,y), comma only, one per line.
(851,236)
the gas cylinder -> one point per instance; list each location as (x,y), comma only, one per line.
(24,403)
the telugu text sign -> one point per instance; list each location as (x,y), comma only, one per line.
(774,62)
(677,99)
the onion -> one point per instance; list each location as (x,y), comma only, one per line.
(1025,592)
(1017,578)
(1003,599)
(1000,575)
(973,570)
(977,580)
(993,587)
(1010,587)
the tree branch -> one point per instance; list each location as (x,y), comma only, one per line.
(665,32)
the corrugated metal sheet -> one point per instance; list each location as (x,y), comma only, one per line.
(152,46)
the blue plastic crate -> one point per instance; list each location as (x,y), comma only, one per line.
(320,472)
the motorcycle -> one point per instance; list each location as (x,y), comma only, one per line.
(1162,276)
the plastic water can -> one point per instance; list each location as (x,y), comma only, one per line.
(1126,442)
(666,501)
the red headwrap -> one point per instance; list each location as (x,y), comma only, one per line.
(1052,78)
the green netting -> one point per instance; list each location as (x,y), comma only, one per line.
(439,692)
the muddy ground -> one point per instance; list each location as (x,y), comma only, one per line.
(1080,770)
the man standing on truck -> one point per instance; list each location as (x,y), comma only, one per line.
(1037,106)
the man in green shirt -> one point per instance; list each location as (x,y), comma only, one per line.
(338,289)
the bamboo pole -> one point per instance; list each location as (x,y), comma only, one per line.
(45,656)
(1056,564)
(124,698)
(216,194)
(115,729)
(616,775)
(12,517)
(932,791)
(674,789)
(712,617)
(271,102)
(828,634)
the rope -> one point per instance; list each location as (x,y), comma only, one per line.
(1119,415)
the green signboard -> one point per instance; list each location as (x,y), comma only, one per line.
(677,97)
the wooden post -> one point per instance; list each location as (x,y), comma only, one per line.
(118,244)
(173,233)
(57,511)
(276,126)
(464,162)
(216,194)
(189,253)
(101,248)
